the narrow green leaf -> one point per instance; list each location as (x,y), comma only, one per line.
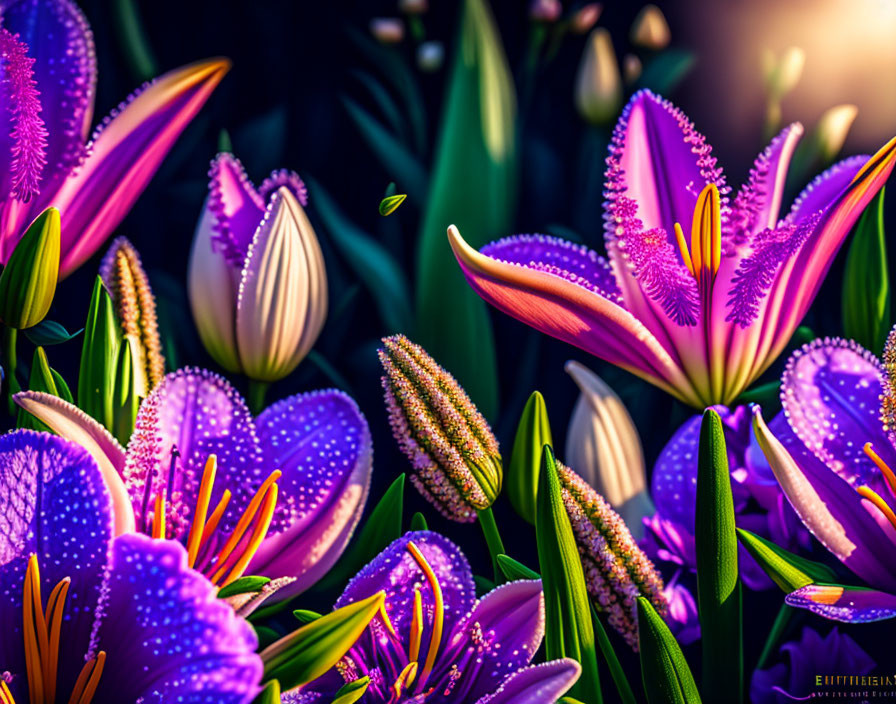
(474,187)
(351,692)
(569,631)
(307,653)
(99,354)
(626,695)
(270,694)
(666,70)
(62,387)
(124,394)
(788,571)
(49,332)
(243,585)
(418,522)
(304,616)
(483,585)
(532,434)
(382,527)
(28,281)
(664,671)
(369,260)
(41,379)
(389,204)
(568,700)
(764,394)
(866,280)
(514,570)
(718,587)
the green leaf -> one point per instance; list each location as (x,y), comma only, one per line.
(719,595)
(866,280)
(304,616)
(483,585)
(49,332)
(664,671)
(418,522)
(369,260)
(28,281)
(41,380)
(61,387)
(473,186)
(569,631)
(398,162)
(270,694)
(788,571)
(626,695)
(514,570)
(532,434)
(307,653)
(764,394)
(382,527)
(666,70)
(351,692)
(124,394)
(96,378)
(389,204)
(243,585)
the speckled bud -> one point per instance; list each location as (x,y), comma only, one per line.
(135,308)
(457,465)
(617,572)
(888,397)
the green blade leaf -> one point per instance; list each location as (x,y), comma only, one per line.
(718,587)
(381,528)
(49,332)
(664,671)
(304,616)
(788,571)
(369,260)
(532,434)
(124,394)
(514,570)
(418,522)
(351,692)
(243,585)
(389,204)
(626,695)
(307,653)
(41,379)
(96,377)
(568,626)
(474,187)
(866,280)
(270,694)
(666,70)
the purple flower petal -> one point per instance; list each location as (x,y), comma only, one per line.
(235,206)
(61,44)
(831,391)
(167,636)
(53,504)
(396,572)
(321,443)
(198,413)
(830,508)
(538,684)
(825,187)
(497,638)
(125,154)
(841,603)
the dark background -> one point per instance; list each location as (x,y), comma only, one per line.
(281,105)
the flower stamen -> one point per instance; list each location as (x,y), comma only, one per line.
(438,616)
(884,468)
(704,257)
(416,627)
(875,498)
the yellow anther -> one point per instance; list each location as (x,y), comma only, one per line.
(438,621)
(706,231)
(683,248)
(874,497)
(5,694)
(416,627)
(158,517)
(405,679)
(386,620)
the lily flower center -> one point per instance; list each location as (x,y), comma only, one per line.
(704,257)
(221,559)
(867,492)
(42,628)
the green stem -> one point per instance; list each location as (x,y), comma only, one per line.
(133,40)
(493,540)
(257,392)
(782,620)
(10,337)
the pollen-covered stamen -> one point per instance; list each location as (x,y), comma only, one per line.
(42,629)
(438,621)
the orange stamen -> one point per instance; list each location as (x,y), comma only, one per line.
(439,611)
(53,617)
(873,497)
(258,535)
(215,518)
(416,627)
(882,466)
(88,680)
(202,502)
(158,523)
(35,632)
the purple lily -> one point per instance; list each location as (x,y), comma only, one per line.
(312,449)
(136,622)
(810,656)
(759,503)
(48,85)
(703,318)
(832,449)
(435,642)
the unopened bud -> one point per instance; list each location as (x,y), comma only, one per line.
(650,29)
(585,18)
(455,457)
(28,282)
(599,83)
(833,127)
(387,30)
(545,10)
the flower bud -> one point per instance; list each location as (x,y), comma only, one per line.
(387,30)
(585,18)
(545,10)
(616,570)
(135,309)
(599,84)
(455,457)
(782,75)
(832,129)
(631,68)
(603,444)
(28,282)
(650,29)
